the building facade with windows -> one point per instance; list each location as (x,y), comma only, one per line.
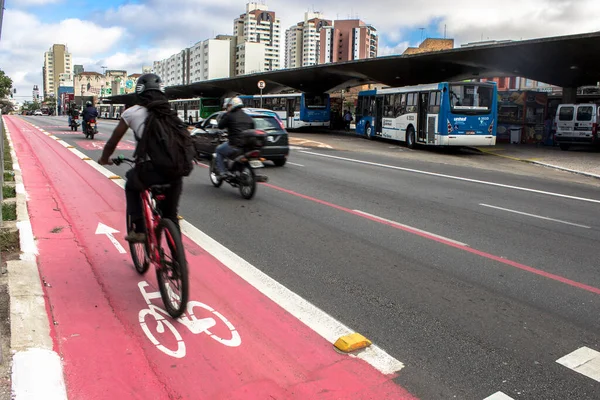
(259,25)
(303,41)
(57,61)
(347,40)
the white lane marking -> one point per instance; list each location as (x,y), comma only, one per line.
(458,178)
(312,316)
(108,231)
(411,227)
(536,216)
(37,374)
(298,165)
(298,148)
(584,360)
(498,396)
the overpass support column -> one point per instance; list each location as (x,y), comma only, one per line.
(569,95)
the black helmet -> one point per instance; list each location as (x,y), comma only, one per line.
(88,103)
(148,82)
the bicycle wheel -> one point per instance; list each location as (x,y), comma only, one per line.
(140,254)
(172,275)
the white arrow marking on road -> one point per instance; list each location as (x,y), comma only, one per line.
(108,231)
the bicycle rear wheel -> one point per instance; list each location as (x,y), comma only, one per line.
(172,275)
(140,253)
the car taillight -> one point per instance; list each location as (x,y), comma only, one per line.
(594,129)
(259,132)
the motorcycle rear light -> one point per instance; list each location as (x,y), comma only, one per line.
(254,153)
(160,197)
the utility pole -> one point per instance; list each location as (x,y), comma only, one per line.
(1,15)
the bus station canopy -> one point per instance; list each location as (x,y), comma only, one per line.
(566,61)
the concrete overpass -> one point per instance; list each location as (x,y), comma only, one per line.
(566,61)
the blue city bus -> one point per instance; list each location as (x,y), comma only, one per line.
(296,110)
(440,114)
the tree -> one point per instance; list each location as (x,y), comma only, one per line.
(6,106)
(50,102)
(5,85)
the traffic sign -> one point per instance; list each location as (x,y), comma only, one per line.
(261,85)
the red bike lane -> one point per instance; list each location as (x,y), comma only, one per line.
(108,323)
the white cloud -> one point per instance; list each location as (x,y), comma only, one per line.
(140,32)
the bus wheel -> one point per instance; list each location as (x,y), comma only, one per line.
(369,132)
(410,137)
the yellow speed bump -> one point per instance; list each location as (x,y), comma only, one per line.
(114,177)
(179,217)
(352,342)
(86,159)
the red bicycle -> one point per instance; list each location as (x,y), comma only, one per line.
(163,248)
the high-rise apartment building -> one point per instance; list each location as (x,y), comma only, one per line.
(302,41)
(57,61)
(210,59)
(258,25)
(174,70)
(348,40)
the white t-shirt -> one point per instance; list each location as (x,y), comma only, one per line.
(135,117)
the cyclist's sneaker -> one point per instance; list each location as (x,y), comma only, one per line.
(136,237)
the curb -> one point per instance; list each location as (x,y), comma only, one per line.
(36,367)
(533,161)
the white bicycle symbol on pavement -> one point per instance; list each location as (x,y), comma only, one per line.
(189,320)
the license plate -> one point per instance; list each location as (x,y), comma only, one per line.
(470,132)
(256,164)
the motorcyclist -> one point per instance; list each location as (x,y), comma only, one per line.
(236,121)
(89,113)
(73,112)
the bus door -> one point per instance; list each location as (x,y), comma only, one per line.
(422,118)
(378,117)
(291,108)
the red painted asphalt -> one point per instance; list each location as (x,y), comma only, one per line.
(96,301)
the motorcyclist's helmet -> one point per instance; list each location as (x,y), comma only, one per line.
(88,103)
(149,82)
(226,102)
(235,102)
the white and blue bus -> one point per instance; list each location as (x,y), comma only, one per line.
(296,110)
(110,111)
(440,114)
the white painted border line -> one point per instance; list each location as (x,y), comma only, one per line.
(535,216)
(458,178)
(313,317)
(297,165)
(411,228)
(36,369)
(565,169)
(498,396)
(584,360)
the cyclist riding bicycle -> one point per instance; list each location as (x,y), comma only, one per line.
(151,118)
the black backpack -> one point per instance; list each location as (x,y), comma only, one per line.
(168,145)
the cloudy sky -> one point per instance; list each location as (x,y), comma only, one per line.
(127,34)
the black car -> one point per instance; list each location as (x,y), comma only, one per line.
(276,149)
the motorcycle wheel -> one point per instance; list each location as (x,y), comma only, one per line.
(217,182)
(247,182)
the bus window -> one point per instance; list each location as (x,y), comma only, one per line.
(411,103)
(434,102)
(388,106)
(399,104)
(315,100)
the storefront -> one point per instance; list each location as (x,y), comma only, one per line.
(521,116)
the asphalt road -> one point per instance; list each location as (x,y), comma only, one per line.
(477,280)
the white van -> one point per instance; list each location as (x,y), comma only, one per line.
(577,124)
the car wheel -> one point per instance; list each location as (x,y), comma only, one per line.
(280,162)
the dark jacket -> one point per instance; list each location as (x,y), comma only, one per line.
(89,113)
(236,122)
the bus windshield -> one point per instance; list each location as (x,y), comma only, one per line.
(315,100)
(471,99)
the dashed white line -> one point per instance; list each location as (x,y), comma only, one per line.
(297,165)
(458,178)
(584,360)
(411,227)
(536,216)
(498,396)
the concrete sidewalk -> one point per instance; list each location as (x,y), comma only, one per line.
(579,159)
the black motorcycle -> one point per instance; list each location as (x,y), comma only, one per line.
(241,165)
(74,122)
(89,129)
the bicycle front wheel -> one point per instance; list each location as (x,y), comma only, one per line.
(172,275)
